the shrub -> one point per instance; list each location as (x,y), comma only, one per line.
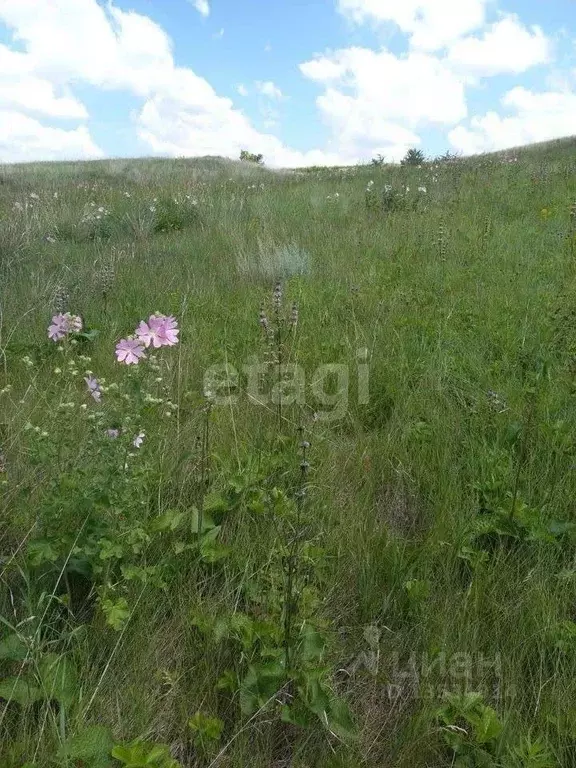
(248,157)
(413,157)
(449,157)
(273,262)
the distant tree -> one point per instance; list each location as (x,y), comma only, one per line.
(413,157)
(248,157)
(449,157)
(378,160)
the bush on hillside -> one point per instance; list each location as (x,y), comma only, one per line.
(413,157)
(248,157)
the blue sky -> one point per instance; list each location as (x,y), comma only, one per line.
(303,82)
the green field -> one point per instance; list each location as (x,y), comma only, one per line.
(344,541)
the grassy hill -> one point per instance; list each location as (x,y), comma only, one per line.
(334,525)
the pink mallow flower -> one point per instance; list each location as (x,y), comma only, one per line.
(58,328)
(147,333)
(93,388)
(159,331)
(129,351)
(63,324)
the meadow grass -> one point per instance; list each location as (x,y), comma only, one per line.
(354,593)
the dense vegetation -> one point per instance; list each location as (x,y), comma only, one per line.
(331,520)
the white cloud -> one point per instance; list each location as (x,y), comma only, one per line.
(36,95)
(81,41)
(32,87)
(269,89)
(431,24)
(416,88)
(374,101)
(23,139)
(20,88)
(538,117)
(174,129)
(201,6)
(507,46)
(242,90)
(324,68)
(78,40)
(189,118)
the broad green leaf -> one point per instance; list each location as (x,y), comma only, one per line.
(117,612)
(12,648)
(312,644)
(41,551)
(169,521)
(141,754)
(315,696)
(297,715)
(92,746)
(243,628)
(487,727)
(340,721)
(215,503)
(58,679)
(110,550)
(207,521)
(211,551)
(259,685)
(418,589)
(207,727)
(20,690)
(227,682)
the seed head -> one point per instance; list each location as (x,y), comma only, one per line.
(60,299)
(294,315)
(277,296)
(106,277)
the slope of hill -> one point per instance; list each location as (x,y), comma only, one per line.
(331,521)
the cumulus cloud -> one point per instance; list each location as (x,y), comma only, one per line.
(431,24)
(537,117)
(173,129)
(189,118)
(20,88)
(23,139)
(374,101)
(507,46)
(82,41)
(414,88)
(32,88)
